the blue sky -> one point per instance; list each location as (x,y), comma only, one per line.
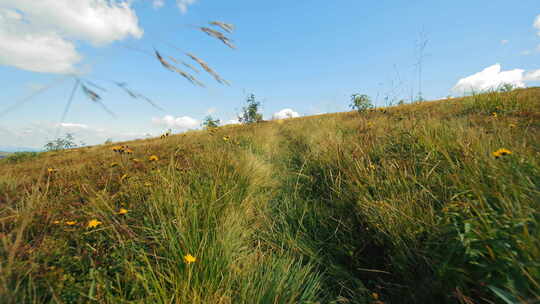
(308,56)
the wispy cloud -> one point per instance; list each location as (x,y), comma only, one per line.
(184,4)
(180,123)
(158,3)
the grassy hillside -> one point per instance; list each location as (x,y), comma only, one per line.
(408,204)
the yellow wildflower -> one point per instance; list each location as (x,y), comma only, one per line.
(93,223)
(501,152)
(51,170)
(225,138)
(190,259)
(114,164)
(123,211)
(494,114)
(136,160)
(128,151)
(123,177)
(512,125)
(71,223)
(375,296)
(148,184)
(153,158)
(56,222)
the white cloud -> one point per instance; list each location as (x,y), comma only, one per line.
(233,121)
(285,113)
(68,125)
(183,5)
(181,123)
(490,78)
(23,48)
(532,76)
(40,35)
(537,24)
(504,41)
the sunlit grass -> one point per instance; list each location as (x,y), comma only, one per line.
(435,202)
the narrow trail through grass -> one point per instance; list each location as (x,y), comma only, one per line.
(427,203)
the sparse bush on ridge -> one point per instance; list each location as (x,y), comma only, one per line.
(435,202)
(250,113)
(67,142)
(360,102)
(210,122)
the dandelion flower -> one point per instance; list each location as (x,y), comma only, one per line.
(93,223)
(123,211)
(190,259)
(501,152)
(71,223)
(225,138)
(494,114)
(51,170)
(153,158)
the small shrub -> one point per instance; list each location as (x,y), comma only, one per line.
(209,122)
(360,102)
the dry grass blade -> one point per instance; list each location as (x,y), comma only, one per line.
(136,95)
(208,69)
(96,98)
(95,85)
(228,27)
(171,67)
(164,62)
(106,109)
(194,69)
(219,36)
(90,94)
(189,77)
(34,94)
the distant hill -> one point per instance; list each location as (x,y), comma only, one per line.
(13,149)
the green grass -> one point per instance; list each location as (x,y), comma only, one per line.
(399,205)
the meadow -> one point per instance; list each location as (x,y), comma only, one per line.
(431,202)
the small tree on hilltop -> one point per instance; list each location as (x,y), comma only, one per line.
(67,142)
(250,113)
(209,122)
(360,102)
